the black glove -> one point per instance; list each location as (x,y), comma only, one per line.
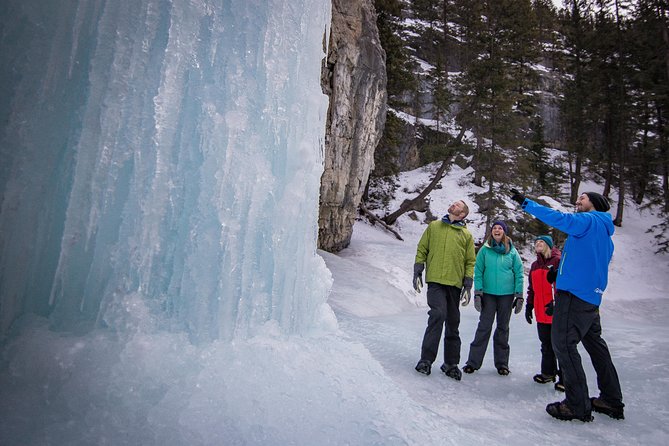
(517,196)
(551,275)
(528,313)
(418,276)
(477,300)
(549,308)
(518,303)
(466,292)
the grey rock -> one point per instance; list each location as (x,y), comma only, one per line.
(354,77)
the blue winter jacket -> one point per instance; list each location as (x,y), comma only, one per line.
(584,267)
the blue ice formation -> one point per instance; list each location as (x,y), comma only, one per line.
(161,151)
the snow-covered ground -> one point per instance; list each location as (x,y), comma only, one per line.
(375,305)
(352,380)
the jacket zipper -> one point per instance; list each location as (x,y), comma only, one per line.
(564,259)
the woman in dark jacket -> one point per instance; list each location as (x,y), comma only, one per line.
(540,298)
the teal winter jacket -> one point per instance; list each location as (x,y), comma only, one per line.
(498,274)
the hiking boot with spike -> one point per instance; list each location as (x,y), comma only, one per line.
(559,386)
(424,367)
(601,406)
(452,371)
(543,379)
(468,369)
(562,411)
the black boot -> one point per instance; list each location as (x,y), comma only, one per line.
(601,406)
(504,371)
(424,367)
(562,411)
(452,371)
(543,379)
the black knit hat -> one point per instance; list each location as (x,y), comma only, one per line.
(600,202)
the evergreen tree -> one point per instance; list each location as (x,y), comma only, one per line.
(399,68)
(400,85)
(611,102)
(441,94)
(650,53)
(575,107)
(491,90)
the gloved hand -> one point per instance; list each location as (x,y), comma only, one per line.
(517,196)
(465,296)
(418,276)
(478,294)
(466,293)
(528,313)
(551,275)
(518,303)
(549,308)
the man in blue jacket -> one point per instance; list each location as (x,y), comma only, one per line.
(581,279)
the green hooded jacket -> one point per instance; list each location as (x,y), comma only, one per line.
(498,274)
(447,249)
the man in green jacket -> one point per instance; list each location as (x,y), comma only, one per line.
(447,248)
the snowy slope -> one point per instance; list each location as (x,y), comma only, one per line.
(375,271)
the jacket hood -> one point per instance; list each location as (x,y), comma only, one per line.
(605,218)
(455,224)
(488,244)
(555,254)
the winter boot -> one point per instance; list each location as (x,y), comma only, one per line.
(601,406)
(468,369)
(452,371)
(424,367)
(503,371)
(561,411)
(543,379)
(559,386)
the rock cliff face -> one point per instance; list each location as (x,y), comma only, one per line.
(354,76)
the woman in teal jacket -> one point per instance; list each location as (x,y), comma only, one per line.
(498,289)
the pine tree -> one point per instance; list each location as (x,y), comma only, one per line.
(399,68)
(575,107)
(491,90)
(650,54)
(441,94)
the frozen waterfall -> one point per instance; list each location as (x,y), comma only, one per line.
(161,163)
(159,278)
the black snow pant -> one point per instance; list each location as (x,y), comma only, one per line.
(492,306)
(577,321)
(444,303)
(549,366)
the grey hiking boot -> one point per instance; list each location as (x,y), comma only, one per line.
(452,371)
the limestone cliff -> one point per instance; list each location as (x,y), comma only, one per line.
(354,77)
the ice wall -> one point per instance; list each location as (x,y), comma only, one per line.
(162,152)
